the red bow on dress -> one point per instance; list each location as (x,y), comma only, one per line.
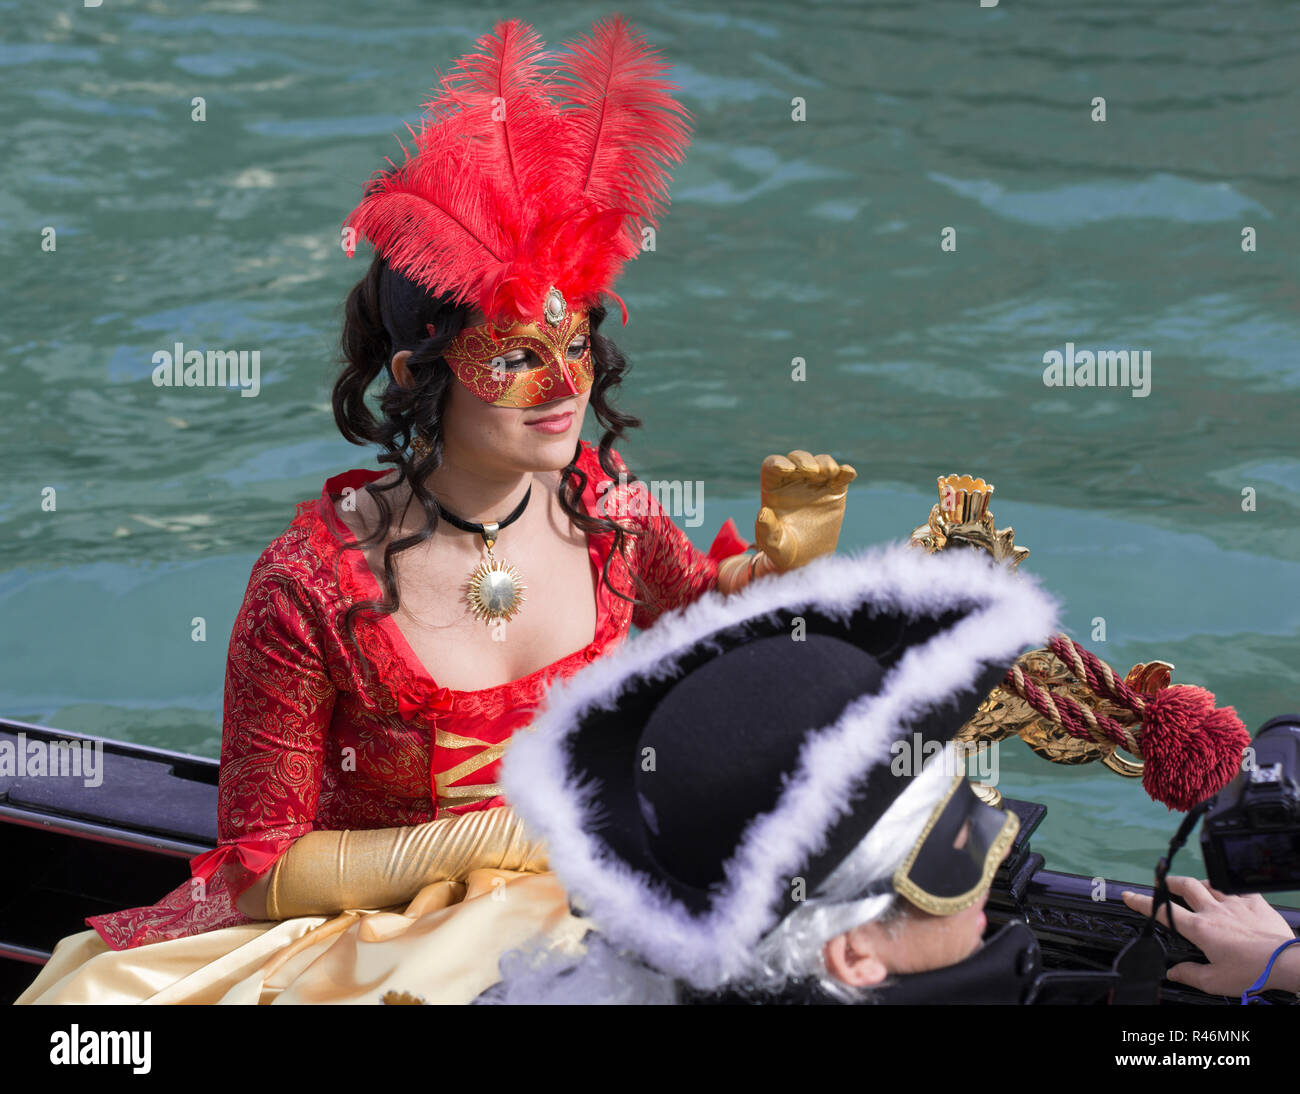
(413,699)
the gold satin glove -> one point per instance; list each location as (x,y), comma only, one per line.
(803,507)
(327,872)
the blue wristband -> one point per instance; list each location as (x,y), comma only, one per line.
(1258,985)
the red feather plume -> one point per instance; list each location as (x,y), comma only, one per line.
(525,177)
(496,101)
(626,126)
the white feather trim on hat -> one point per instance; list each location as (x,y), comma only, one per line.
(1010,614)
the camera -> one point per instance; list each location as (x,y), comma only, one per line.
(1251,834)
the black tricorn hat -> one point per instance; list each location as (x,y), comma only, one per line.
(693,786)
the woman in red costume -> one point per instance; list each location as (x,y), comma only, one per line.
(409,621)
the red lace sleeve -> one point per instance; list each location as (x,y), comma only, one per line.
(673,568)
(278,705)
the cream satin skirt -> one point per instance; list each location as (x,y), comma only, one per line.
(443,947)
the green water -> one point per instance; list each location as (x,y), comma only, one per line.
(817,239)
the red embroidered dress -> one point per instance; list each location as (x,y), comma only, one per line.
(312,738)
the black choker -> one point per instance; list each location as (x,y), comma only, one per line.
(480,529)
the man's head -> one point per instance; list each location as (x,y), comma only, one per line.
(908,899)
(903,941)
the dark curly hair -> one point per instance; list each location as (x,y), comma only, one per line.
(367,349)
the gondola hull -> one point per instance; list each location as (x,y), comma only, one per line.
(73,851)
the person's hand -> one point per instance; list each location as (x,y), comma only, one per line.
(802,500)
(1237,933)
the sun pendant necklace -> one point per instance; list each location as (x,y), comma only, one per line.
(495,588)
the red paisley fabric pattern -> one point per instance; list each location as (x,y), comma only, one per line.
(320,732)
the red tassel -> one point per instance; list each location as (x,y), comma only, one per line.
(1190,749)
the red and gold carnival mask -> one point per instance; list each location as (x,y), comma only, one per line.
(481,359)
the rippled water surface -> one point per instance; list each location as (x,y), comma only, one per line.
(817,239)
